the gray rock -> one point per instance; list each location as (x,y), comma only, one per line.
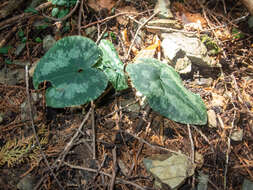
(163,7)
(194,49)
(183,65)
(26,183)
(212,119)
(91,31)
(19,49)
(167,23)
(203,181)
(48,42)
(12,77)
(247,185)
(204,81)
(169,169)
(171,49)
(250,22)
(134,109)
(237,135)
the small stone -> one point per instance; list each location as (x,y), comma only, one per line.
(191,46)
(162,7)
(171,170)
(217,100)
(204,81)
(183,65)
(26,183)
(170,49)
(250,22)
(202,181)
(19,49)
(247,184)
(48,42)
(91,31)
(237,135)
(211,117)
(135,108)
(12,77)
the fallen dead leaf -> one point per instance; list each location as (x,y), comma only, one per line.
(98,5)
(123,20)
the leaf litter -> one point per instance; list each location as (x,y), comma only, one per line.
(136,134)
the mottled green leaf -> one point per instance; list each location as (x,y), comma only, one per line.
(62,13)
(165,92)
(59,2)
(112,66)
(55,11)
(68,65)
(5,49)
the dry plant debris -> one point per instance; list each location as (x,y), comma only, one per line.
(126,132)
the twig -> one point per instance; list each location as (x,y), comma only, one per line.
(58,162)
(109,18)
(139,126)
(224,7)
(80,18)
(70,144)
(137,33)
(93,131)
(22,16)
(66,17)
(8,36)
(192,144)
(110,114)
(33,127)
(10,8)
(147,143)
(101,165)
(193,151)
(143,118)
(114,171)
(228,151)
(106,174)
(99,169)
(239,93)
(162,28)
(101,35)
(136,158)
(203,136)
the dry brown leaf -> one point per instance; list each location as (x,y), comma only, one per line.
(193,20)
(98,5)
(149,52)
(123,20)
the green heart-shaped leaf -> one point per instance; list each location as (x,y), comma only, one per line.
(68,66)
(165,92)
